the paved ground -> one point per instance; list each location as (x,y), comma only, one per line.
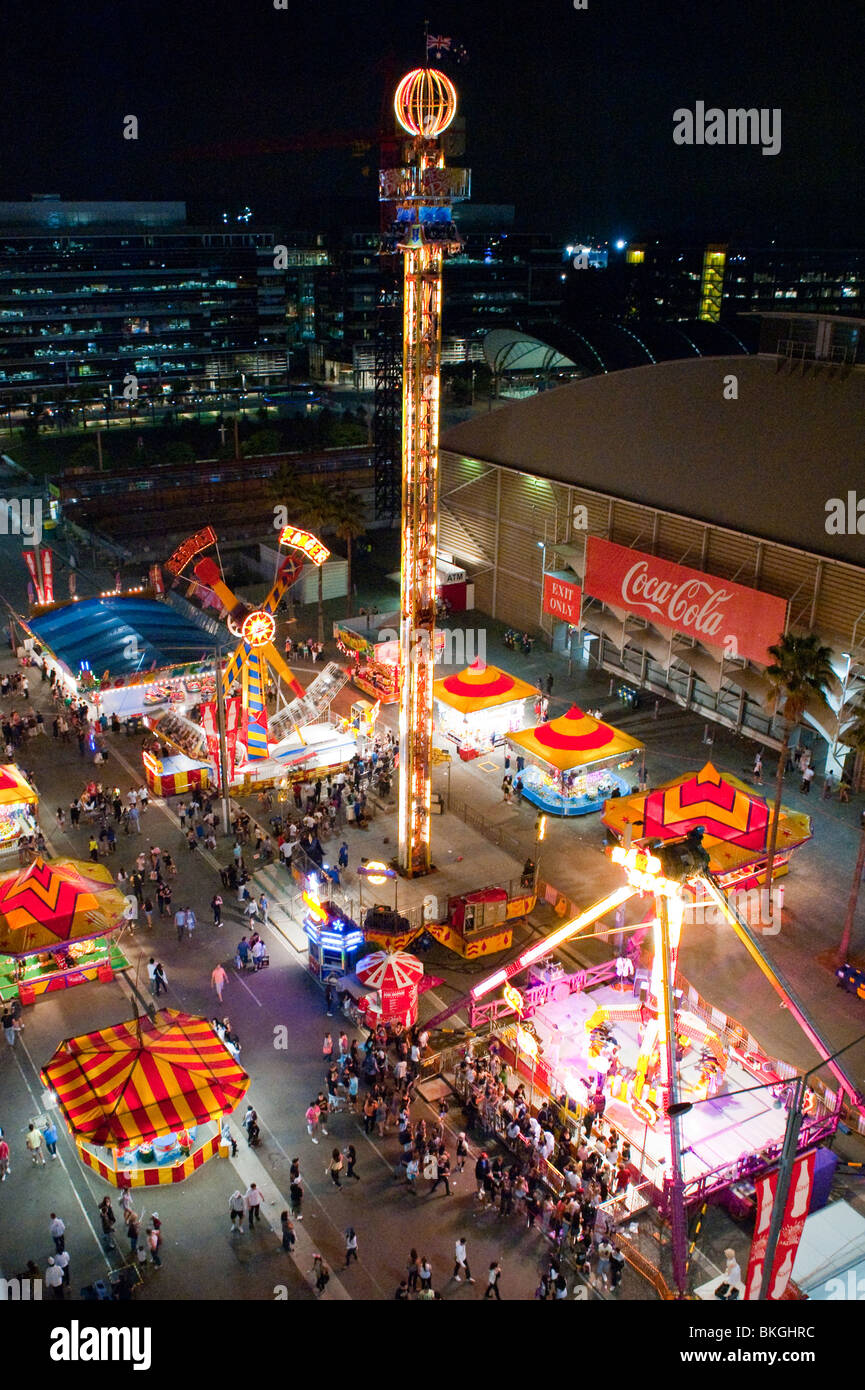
(201,1257)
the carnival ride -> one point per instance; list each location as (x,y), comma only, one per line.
(652,1089)
(422,192)
(293,740)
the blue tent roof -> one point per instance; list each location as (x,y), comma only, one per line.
(123,635)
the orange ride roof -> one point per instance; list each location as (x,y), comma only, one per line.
(53,902)
(574,740)
(14,786)
(481,687)
(736,818)
(144,1078)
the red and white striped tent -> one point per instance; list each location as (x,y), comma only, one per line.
(395,976)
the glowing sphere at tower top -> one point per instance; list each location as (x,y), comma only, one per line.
(425,102)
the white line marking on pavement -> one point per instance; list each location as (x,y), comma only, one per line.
(241,981)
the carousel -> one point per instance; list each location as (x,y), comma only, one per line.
(144,1100)
(58,918)
(573,763)
(477,708)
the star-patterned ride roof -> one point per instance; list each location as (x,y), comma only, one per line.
(54,902)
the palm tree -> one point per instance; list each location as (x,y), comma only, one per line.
(855,738)
(349,522)
(799,673)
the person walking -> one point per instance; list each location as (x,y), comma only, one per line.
(327,1049)
(807,779)
(758,766)
(5,1170)
(461,1264)
(350,1246)
(148,913)
(321,1270)
(253,1204)
(159,980)
(462,1151)
(7,1023)
(151,974)
(295,1196)
(152,1246)
(413,1270)
(180,922)
(216,908)
(57,1229)
(132,1231)
(287,1229)
(442,1173)
(34,1144)
(191,922)
(335,1167)
(49,1134)
(54,1277)
(312,1118)
(493,1276)
(350,1155)
(108,1221)
(236,1208)
(549,683)
(219,979)
(425,1274)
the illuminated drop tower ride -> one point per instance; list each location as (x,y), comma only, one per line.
(422,192)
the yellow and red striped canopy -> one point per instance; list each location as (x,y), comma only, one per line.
(574,740)
(14,786)
(140,1079)
(481,687)
(56,901)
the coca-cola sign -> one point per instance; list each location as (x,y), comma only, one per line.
(742,622)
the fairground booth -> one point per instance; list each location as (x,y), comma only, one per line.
(736,820)
(125,654)
(478,707)
(374,664)
(394,977)
(144,1099)
(575,762)
(58,923)
(335,941)
(18,807)
(174,773)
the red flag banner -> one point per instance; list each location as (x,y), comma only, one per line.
(47,575)
(30,561)
(717,612)
(795,1213)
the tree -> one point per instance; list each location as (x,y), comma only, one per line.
(348,522)
(855,737)
(799,673)
(261,442)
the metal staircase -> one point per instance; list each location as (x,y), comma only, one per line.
(318,698)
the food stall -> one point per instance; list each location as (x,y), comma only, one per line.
(575,762)
(478,707)
(144,1100)
(374,663)
(394,976)
(334,939)
(18,807)
(173,773)
(58,919)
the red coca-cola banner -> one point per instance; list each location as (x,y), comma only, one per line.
(744,622)
(795,1212)
(562,598)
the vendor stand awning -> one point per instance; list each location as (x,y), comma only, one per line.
(481,687)
(574,740)
(144,1078)
(18,802)
(735,817)
(14,786)
(54,903)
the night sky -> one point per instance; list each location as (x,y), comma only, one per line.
(569,113)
